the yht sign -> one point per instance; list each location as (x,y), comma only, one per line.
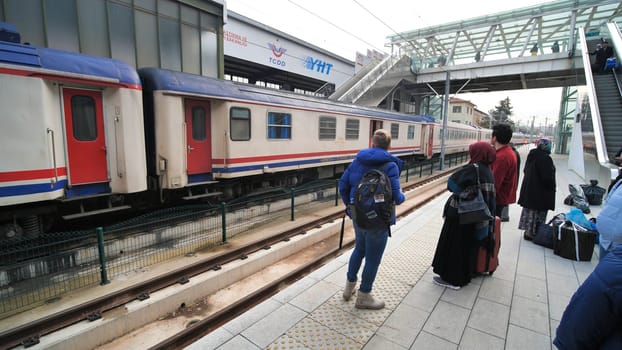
(318,65)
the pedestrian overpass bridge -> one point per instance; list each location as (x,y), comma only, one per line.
(534,47)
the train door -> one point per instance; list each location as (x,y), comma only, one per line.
(374,125)
(430,150)
(86,142)
(198,136)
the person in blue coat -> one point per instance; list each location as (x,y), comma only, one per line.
(593,318)
(369,243)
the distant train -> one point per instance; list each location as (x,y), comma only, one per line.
(518,139)
(84,135)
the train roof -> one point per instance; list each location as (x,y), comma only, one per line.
(155,79)
(69,62)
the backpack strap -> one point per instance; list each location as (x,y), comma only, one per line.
(384,168)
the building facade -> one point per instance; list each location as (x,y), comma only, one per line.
(181,35)
(461,111)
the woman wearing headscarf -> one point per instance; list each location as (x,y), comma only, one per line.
(537,193)
(457,247)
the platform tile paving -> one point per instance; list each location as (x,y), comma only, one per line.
(518,307)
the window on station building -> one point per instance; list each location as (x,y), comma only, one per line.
(411,132)
(236,78)
(240,124)
(395,131)
(279,126)
(352,129)
(307,92)
(328,128)
(457,109)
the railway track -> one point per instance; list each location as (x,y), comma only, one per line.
(30,334)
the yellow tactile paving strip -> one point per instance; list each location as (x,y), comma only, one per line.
(337,324)
(319,336)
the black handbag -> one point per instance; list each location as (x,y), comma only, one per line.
(545,233)
(473,210)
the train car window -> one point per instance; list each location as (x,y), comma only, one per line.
(279,125)
(352,129)
(411,132)
(240,123)
(395,131)
(328,128)
(83,118)
(199,121)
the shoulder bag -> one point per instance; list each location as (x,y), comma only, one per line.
(473,210)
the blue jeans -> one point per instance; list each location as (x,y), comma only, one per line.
(369,244)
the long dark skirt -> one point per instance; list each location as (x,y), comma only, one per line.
(456,253)
(530,218)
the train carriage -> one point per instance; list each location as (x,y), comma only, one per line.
(277,138)
(85,135)
(72,129)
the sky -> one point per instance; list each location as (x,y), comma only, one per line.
(344,27)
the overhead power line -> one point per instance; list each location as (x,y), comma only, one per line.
(336,26)
(385,24)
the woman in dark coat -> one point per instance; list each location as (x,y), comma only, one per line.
(537,193)
(456,251)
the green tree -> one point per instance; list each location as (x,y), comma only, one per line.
(485,121)
(502,113)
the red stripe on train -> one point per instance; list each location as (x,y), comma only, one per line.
(31,174)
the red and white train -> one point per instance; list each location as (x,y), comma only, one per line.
(84,135)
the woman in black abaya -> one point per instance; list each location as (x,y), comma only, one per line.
(456,250)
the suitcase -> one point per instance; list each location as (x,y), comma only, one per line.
(488,253)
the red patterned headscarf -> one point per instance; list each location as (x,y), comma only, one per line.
(482,152)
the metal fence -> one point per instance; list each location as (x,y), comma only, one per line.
(39,270)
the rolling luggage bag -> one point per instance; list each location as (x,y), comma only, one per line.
(488,253)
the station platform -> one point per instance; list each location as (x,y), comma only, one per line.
(517,307)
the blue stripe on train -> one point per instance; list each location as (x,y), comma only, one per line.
(79,190)
(235,169)
(21,190)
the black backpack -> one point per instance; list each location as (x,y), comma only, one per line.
(373,200)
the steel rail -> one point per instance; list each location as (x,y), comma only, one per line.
(28,334)
(212,322)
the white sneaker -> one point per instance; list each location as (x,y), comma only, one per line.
(439,281)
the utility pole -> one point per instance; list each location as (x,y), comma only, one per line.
(546,120)
(445,116)
(533,119)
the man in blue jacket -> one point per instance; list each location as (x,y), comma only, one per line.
(370,243)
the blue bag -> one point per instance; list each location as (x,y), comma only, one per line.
(576,215)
